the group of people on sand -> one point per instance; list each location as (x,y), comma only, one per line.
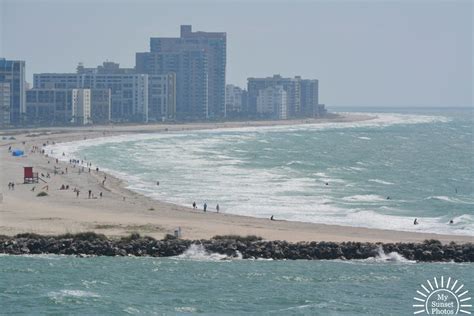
(204,207)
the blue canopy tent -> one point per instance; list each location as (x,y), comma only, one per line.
(17,152)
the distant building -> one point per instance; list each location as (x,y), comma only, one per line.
(199,61)
(49,106)
(302,94)
(107,67)
(81,106)
(13,73)
(162,97)
(4,104)
(310,106)
(272,102)
(190,69)
(67,106)
(134,97)
(101,104)
(234,100)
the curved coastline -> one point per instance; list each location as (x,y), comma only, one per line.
(123,211)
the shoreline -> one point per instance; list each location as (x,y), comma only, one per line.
(122,211)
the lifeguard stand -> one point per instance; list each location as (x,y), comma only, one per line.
(30,176)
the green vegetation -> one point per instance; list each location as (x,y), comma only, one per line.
(432,242)
(248,238)
(89,236)
(132,236)
(42,193)
(29,235)
(169,237)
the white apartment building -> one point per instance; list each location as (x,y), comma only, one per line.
(273,102)
(4,104)
(81,106)
(233,99)
(129,92)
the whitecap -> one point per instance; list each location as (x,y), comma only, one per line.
(185,309)
(131,310)
(364,198)
(380,181)
(440,198)
(448,199)
(64,294)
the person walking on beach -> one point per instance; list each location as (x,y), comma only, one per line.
(77,193)
(205,206)
(415,222)
(194,205)
(90,193)
(217,208)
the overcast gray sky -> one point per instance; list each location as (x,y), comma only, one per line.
(372,53)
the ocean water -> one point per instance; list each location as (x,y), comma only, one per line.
(422,159)
(200,283)
(382,173)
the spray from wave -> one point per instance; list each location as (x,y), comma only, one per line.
(199,252)
(390,257)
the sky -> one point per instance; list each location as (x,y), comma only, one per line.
(364,53)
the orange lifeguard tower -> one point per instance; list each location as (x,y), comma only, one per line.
(30,176)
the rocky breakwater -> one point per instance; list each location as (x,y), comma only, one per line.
(249,247)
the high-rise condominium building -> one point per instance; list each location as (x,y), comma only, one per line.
(66,106)
(134,97)
(199,61)
(129,92)
(13,73)
(4,104)
(302,94)
(272,102)
(234,100)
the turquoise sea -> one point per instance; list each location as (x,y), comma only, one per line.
(421,158)
(59,285)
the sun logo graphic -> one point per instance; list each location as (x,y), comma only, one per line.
(437,297)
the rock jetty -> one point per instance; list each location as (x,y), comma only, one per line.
(250,247)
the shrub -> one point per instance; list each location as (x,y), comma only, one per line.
(89,236)
(248,238)
(132,236)
(170,237)
(42,193)
(432,242)
(29,235)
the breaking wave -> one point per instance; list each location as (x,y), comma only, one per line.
(390,257)
(364,198)
(65,294)
(198,252)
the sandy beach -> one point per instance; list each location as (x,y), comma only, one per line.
(120,211)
